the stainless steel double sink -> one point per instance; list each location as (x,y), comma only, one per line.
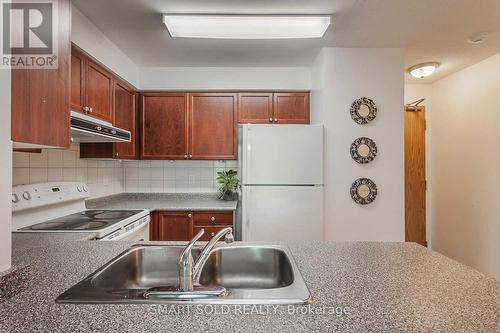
(250,274)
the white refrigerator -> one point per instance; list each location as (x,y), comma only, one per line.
(281,168)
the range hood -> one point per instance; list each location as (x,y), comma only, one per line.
(89,129)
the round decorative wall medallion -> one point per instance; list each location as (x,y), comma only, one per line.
(363,110)
(363,191)
(363,150)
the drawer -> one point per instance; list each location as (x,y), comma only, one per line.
(212,218)
(209,232)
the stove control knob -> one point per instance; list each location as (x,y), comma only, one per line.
(27,195)
(79,188)
(85,189)
(15,198)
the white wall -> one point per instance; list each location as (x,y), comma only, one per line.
(339,77)
(414,92)
(89,38)
(212,78)
(466,166)
(5,171)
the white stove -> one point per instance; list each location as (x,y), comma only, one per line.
(60,207)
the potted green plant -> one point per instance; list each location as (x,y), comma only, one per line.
(228,184)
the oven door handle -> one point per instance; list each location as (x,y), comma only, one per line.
(124,233)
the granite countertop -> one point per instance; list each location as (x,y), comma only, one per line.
(356,286)
(163,201)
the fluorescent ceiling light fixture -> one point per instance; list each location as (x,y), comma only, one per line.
(246,26)
(423,70)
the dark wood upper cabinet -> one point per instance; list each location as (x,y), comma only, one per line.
(255,108)
(213,134)
(174,226)
(125,111)
(77,81)
(164,126)
(273,108)
(291,108)
(41,97)
(98,91)
(126,116)
(91,87)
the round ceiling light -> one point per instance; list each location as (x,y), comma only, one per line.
(423,70)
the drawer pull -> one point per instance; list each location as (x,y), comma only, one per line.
(190,215)
(212,219)
(212,234)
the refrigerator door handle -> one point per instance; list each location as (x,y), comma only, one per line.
(248,155)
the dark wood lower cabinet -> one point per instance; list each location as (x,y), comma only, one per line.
(172,226)
(183,225)
(210,232)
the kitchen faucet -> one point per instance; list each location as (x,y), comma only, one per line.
(189,271)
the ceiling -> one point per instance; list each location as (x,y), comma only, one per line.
(428,30)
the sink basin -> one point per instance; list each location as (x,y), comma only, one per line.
(142,268)
(248,268)
(249,274)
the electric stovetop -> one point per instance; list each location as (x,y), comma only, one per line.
(87,220)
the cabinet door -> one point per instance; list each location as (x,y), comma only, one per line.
(125,112)
(77,81)
(153,226)
(164,126)
(41,97)
(209,231)
(255,108)
(98,91)
(213,218)
(175,226)
(291,108)
(213,126)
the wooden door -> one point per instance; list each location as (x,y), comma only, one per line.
(213,126)
(175,226)
(125,113)
(415,183)
(255,108)
(98,91)
(291,108)
(77,81)
(41,97)
(164,126)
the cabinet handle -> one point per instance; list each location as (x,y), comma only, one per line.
(212,219)
(90,110)
(190,156)
(270,120)
(190,215)
(212,234)
(116,154)
(185,157)
(275,119)
(85,109)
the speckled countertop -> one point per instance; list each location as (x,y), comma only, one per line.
(381,287)
(162,201)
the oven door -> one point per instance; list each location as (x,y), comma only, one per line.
(133,232)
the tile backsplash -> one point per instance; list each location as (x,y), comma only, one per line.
(103,177)
(174,176)
(106,177)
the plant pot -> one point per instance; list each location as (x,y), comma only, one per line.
(229,196)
